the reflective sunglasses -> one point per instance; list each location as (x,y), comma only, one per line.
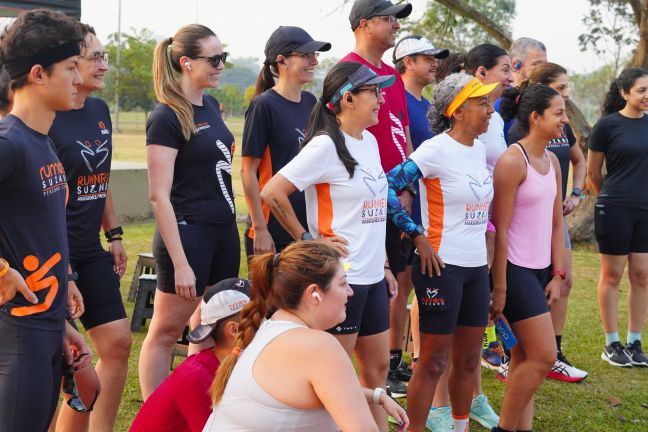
(82,386)
(215,60)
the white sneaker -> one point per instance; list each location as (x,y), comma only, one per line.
(565,371)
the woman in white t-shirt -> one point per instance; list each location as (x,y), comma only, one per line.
(346,203)
(450,271)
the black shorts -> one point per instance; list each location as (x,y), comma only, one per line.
(620,230)
(213,253)
(398,248)
(99,286)
(30,377)
(367,311)
(525,296)
(459,297)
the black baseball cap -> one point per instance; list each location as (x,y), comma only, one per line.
(220,301)
(365,9)
(287,39)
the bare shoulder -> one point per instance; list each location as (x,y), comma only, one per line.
(511,163)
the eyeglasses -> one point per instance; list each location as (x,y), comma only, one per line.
(98,57)
(391,19)
(70,387)
(215,60)
(308,56)
(377,91)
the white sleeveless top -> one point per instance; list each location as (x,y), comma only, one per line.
(245,406)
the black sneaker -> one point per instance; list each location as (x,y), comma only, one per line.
(637,357)
(403,372)
(395,387)
(616,356)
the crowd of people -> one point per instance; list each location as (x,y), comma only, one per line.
(355,198)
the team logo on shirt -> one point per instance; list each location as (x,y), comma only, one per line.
(302,136)
(226,166)
(52,178)
(103,129)
(477,212)
(38,281)
(94,185)
(374,210)
(201,126)
(397,130)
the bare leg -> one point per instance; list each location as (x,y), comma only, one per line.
(398,309)
(372,366)
(466,354)
(638,295)
(612,267)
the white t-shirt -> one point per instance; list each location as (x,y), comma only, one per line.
(354,208)
(456,192)
(494,140)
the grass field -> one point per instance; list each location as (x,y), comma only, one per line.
(610,399)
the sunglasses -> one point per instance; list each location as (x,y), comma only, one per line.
(215,60)
(82,386)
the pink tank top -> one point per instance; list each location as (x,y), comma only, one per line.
(529,235)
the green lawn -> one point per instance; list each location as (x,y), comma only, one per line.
(610,399)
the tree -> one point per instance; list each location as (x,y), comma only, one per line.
(230,99)
(135,75)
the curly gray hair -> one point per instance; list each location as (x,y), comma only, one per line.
(444,94)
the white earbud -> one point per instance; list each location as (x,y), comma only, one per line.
(187,65)
(317,295)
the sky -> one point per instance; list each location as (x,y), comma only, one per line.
(244,25)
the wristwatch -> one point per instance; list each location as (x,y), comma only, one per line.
(416,232)
(579,193)
(73,277)
(118,230)
(306,236)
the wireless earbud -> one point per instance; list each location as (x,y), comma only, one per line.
(317,295)
(517,65)
(187,65)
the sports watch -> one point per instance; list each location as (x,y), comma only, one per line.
(306,236)
(416,232)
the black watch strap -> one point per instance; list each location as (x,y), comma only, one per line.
(118,230)
(73,277)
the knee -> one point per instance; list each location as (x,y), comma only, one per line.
(612,279)
(638,278)
(544,359)
(117,347)
(467,364)
(375,374)
(433,366)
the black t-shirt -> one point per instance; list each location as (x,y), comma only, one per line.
(83,141)
(202,179)
(561,147)
(33,237)
(273,132)
(624,141)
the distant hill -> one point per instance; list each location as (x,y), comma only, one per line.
(243,73)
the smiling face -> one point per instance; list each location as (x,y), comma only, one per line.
(637,97)
(92,65)
(474,115)
(422,67)
(561,85)
(366,100)
(298,67)
(552,121)
(382,30)
(202,72)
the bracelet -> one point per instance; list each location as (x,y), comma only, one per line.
(5,267)
(118,230)
(378,391)
(112,239)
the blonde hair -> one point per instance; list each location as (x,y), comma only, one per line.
(166,69)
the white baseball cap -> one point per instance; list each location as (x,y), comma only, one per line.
(411,45)
(220,301)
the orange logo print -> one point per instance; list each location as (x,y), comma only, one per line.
(102,125)
(37,282)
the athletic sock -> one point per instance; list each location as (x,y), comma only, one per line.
(489,336)
(634,336)
(395,357)
(611,337)
(559,343)
(460,422)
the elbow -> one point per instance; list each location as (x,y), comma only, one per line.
(267,194)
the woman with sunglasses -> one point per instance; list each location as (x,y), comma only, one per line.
(346,204)
(449,272)
(83,141)
(189,156)
(275,124)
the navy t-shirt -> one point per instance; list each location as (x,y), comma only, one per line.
(419,132)
(33,236)
(201,191)
(561,147)
(83,141)
(273,132)
(624,141)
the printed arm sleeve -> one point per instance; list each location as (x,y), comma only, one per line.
(398,178)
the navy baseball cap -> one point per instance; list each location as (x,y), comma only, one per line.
(365,9)
(286,39)
(362,76)
(220,301)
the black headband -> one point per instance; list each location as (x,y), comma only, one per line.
(44,57)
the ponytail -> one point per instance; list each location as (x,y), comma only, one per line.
(166,69)
(266,77)
(520,102)
(613,99)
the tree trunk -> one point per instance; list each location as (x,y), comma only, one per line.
(640,57)
(489,26)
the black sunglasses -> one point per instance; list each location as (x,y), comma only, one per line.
(70,388)
(215,59)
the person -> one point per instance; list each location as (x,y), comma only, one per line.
(275,124)
(306,287)
(621,211)
(182,402)
(346,205)
(566,150)
(450,271)
(40,52)
(528,266)
(189,157)
(374,24)
(5,93)
(83,142)
(415,59)
(454,63)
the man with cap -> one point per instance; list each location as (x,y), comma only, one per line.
(374,24)
(415,59)
(182,402)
